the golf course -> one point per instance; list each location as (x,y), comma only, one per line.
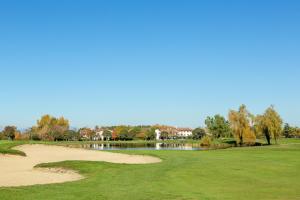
(266,172)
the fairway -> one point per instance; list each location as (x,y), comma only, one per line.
(238,173)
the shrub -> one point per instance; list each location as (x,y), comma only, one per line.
(35,137)
(206,141)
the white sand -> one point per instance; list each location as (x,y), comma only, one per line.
(20,171)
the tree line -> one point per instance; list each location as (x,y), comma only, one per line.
(240,124)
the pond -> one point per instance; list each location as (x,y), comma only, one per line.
(141,146)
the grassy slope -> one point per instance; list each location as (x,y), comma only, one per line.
(6,147)
(239,173)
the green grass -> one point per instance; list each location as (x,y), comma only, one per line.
(6,147)
(269,172)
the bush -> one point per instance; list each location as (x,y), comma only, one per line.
(35,137)
(206,141)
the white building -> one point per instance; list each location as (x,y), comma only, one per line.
(184,132)
(158,133)
(98,135)
(175,132)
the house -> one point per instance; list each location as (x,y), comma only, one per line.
(98,135)
(173,132)
(184,132)
(157,134)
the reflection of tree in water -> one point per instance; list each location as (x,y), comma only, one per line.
(140,146)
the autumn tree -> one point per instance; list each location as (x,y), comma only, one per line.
(218,126)
(241,122)
(86,133)
(9,132)
(269,124)
(120,133)
(133,132)
(51,128)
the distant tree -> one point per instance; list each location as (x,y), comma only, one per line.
(291,131)
(71,135)
(287,131)
(51,128)
(10,132)
(150,134)
(240,122)
(297,132)
(270,124)
(120,133)
(164,135)
(86,133)
(114,135)
(198,133)
(124,134)
(107,134)
(133,132)
(218,126)
(141,136)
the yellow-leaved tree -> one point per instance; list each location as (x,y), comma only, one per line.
(241,124)
(269,124)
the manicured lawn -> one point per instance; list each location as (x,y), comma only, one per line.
(5,147)
(239,173)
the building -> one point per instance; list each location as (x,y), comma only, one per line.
(157,134)
(98,135)
(173,132)
(184,132)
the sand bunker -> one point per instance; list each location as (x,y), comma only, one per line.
(20,171)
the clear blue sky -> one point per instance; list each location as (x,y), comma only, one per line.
(146,62)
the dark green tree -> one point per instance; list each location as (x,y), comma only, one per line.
(107,134)
(287,131)
(150,134)
(124,134)
(164,135)
(198,133)
(218,126)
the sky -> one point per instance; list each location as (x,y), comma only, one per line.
(147,62)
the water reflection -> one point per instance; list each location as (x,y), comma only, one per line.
(140,146)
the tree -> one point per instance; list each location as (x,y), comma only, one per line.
(198,133)
(107,134)
(86,133)
(287,131)
(10,132)
(290,131)
(164,135)
(124,134)
(51,128)
(269,124)
(118,130)
(150,134)
(240,122)
(218,126)
(134,132)
(71,135)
